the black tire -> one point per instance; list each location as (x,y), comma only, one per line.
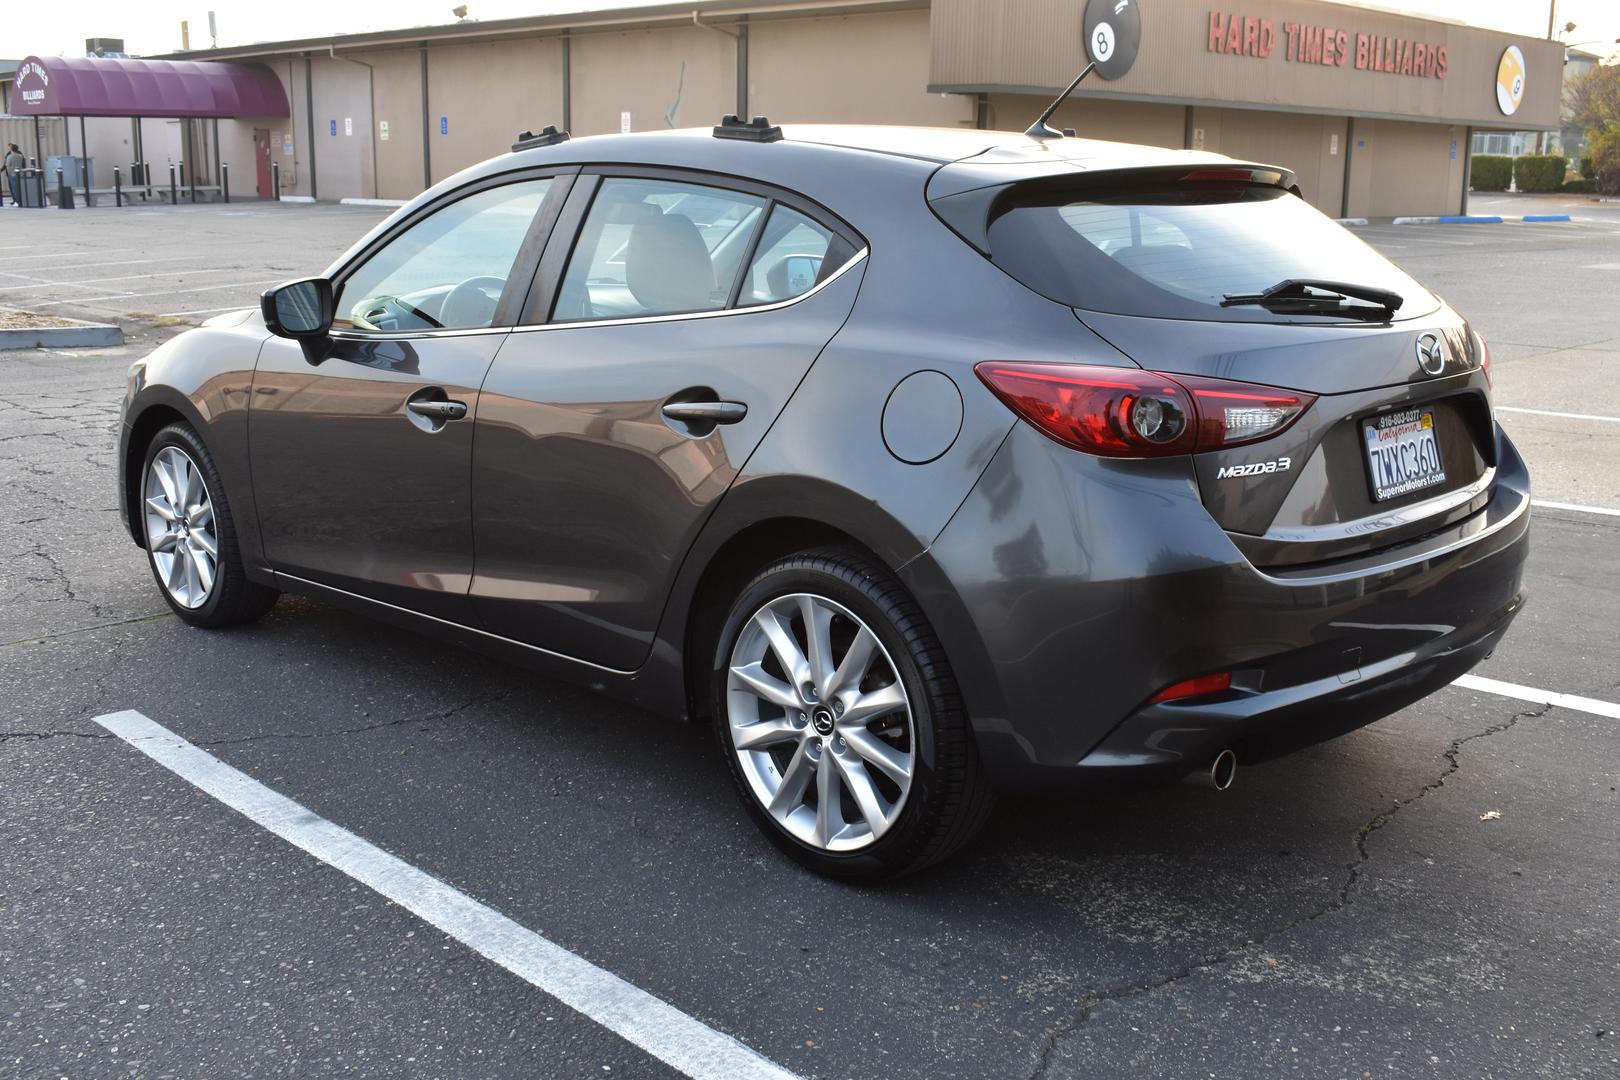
(949,798)
(233,598)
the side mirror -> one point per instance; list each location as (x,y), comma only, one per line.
(301,310)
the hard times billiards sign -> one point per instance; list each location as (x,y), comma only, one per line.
(1329,46)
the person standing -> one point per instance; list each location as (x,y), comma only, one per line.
(14,165)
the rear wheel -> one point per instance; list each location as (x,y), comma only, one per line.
(841,720)
(191,536)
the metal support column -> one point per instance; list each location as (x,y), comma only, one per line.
(567,81)
(742,66)
(1468,167)
(84,165)
(309,112)
(427,131)
(1349,149)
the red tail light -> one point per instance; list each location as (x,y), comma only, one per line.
(1127,412)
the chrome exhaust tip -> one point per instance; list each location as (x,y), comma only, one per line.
(1218,775)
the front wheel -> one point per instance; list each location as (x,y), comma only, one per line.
(841,720)
(191,536)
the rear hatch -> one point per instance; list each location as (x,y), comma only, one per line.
(1222,274)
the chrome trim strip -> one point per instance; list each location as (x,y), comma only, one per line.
(414,335)
(1400,564)
(858,257)
(451,624)
(1407,515)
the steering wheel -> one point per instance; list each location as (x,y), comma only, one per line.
(471,303)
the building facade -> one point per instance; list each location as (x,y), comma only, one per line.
(1375,112)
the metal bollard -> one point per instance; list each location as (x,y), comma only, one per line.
(225,181)
(193,184)
(64,194)
(275,180)
(174,192)
(118,186)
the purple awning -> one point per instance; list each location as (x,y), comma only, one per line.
(94,86)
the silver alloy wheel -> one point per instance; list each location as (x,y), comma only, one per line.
(820,722)
(180,527)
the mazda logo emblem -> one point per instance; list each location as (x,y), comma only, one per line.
(1431,354)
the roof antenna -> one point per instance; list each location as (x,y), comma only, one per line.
(1039,130)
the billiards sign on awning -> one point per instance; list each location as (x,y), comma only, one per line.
(1237,34)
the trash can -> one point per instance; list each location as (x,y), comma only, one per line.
(32,188)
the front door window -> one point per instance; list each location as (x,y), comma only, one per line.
(447,271)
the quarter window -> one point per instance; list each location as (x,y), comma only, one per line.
(794,254)
(447,271)
(656,247)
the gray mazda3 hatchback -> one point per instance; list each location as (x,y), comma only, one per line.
(924,464)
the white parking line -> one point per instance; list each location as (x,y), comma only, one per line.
(1540,697)
(678,1040)
(1562,415)
(157,292)
(88,281)
(1576,507)
(202,311)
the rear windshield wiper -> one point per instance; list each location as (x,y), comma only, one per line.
(1327,296)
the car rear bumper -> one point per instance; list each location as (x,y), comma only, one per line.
(1069,590)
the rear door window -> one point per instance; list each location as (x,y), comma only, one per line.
(1177,250)
(657,247)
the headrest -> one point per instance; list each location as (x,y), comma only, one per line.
(667,265)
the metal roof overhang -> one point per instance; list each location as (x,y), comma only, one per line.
(96,86)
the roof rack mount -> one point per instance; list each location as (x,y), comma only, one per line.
(549,136)
(758,129)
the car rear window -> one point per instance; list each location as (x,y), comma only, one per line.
(1175,250)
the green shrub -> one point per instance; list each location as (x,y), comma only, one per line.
(1578,187)
(1491,172)
(1606,160)
(1587,172)
(1540,172)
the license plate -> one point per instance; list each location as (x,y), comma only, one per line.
(1403,454)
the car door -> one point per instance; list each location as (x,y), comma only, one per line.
(361,450)
(663,343)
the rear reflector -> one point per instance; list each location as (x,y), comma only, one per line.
(1191,688)
(1127,412)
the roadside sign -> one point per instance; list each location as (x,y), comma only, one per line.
(624,123)
(444,125)
(382,130)
(334,127)
(348,125)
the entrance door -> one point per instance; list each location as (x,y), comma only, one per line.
(362,459)
(261,158)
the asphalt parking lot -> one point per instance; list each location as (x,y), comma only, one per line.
(1437,895)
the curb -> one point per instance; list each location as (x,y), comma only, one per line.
(372,202)
(1351,220)
(1464,219)
(1450,219)
(298,198)
(83,336)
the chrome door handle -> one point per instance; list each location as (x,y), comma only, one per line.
(714,412)
(439,410)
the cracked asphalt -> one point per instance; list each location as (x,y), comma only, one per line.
(1437,895)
